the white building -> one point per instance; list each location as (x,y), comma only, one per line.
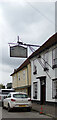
(44,73)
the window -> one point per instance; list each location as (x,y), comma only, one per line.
(54,57)
(45,57)
(18,76)
(23,74)
(54,88)
(20,96)
(35,90)
(34,67)
(9,95)
(14,77)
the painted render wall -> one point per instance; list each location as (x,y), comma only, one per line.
(23,80)
(24,75)
(41,72)
(14,81)
(29,74)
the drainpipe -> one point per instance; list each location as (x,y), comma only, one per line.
(27,76)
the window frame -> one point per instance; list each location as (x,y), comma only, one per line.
(54,96)
(24,74)
(35,90)
(46,66)
(34,67)
(54,65)
(46,59)
(18,76)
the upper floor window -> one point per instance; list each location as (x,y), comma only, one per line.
(54,57)
(46,61)
(54,88)
(34,67)
(18,76)
(23,74)
(14,77)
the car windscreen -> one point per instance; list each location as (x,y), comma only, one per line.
(20,96)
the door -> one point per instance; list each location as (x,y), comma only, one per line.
(29,91)
(43,91)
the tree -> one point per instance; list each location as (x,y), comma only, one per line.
(2,86)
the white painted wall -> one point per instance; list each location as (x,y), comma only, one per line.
(41,72)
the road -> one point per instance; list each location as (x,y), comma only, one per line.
(20,114)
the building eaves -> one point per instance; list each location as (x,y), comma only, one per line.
(49,43)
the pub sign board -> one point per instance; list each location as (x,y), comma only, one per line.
(18,51)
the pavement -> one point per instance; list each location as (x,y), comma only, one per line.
(36,107)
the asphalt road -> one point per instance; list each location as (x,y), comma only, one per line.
(20,114)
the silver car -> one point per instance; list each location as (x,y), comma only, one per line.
(17,100)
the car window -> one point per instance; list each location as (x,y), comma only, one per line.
(9,95)
(20,96)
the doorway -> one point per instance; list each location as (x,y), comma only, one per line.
(29,91)
(43,91)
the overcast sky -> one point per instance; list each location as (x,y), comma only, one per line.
(34,22)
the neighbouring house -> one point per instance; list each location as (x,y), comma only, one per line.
(44,76)
(21,78)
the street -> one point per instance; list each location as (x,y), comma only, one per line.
(20,114)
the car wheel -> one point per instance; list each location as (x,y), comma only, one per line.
(9,109)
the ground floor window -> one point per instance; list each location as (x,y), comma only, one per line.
(35,90)
(54,88)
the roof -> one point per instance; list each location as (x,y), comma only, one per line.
(49,43)
(25,63)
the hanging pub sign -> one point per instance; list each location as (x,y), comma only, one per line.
(18,51)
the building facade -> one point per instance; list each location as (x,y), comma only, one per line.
(21,78)
(37,76)
(44,76)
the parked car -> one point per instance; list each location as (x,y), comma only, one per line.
(17,100)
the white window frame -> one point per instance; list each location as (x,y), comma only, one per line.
(45,57)
(54,56)
(54,88)
(35,90)
(34,67)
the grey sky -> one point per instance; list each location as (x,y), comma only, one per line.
(34,22)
